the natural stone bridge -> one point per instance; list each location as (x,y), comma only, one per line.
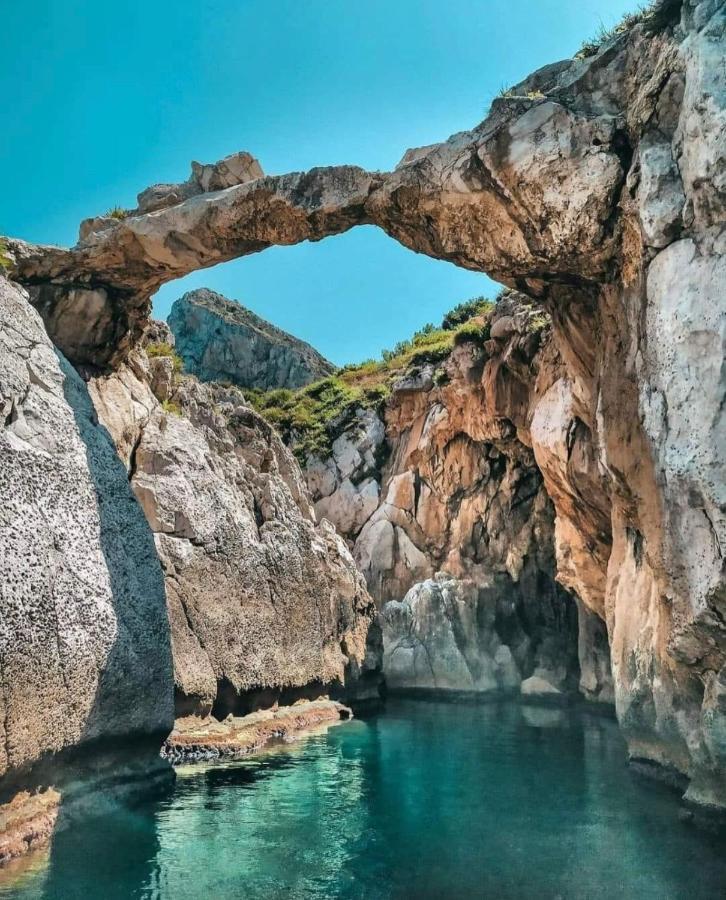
(484,200)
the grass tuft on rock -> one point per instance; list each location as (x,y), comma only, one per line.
(117,212)
(162,348)
(654,17)
(5,262)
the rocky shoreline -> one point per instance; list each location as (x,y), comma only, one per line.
(27,823)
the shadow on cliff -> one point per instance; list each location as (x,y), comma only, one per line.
(117,765)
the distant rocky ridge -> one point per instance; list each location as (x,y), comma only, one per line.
(221,340)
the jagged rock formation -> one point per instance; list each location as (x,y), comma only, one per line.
(220,340)
(449,635)
(262,602)
(597,187)
(443,479)
(84,636)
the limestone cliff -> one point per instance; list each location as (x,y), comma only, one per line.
(220,340)
(597,187)
(263,603)
(158,554)
(441,477)
(84,636)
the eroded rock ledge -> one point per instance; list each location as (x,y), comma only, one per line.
(194,739)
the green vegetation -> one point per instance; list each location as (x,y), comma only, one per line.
(305,414)
(478,332)
(172,407)
(311,417)
(479,306)
(4,258)
(654,16)
(164,349)
(117,212)
(538,321)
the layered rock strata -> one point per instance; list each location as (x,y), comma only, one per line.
(220,340)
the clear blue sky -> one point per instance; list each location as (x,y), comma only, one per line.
(101,99)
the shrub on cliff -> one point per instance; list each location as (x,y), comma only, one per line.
(654,16)
(4,259)
(164,349)
(303,416)
(476,332)
(462,312)
(117,212)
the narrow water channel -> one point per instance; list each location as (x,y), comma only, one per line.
(425,800)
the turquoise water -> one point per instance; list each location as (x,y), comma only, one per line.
(425,800)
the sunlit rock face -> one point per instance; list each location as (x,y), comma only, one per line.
(261,600)
(84,635)
(441,479)
(597,187)
(220,340)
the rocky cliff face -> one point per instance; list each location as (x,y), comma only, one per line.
(158,554)
(442,479)
(262,601)
(220,340)
(84,638)
(596,187)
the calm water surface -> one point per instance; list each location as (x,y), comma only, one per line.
(425,800)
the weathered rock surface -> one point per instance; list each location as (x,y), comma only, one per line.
(194,739)
(451,635)
(567,192)
(452,487)
(84,637)
(220,340)
(262,601)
